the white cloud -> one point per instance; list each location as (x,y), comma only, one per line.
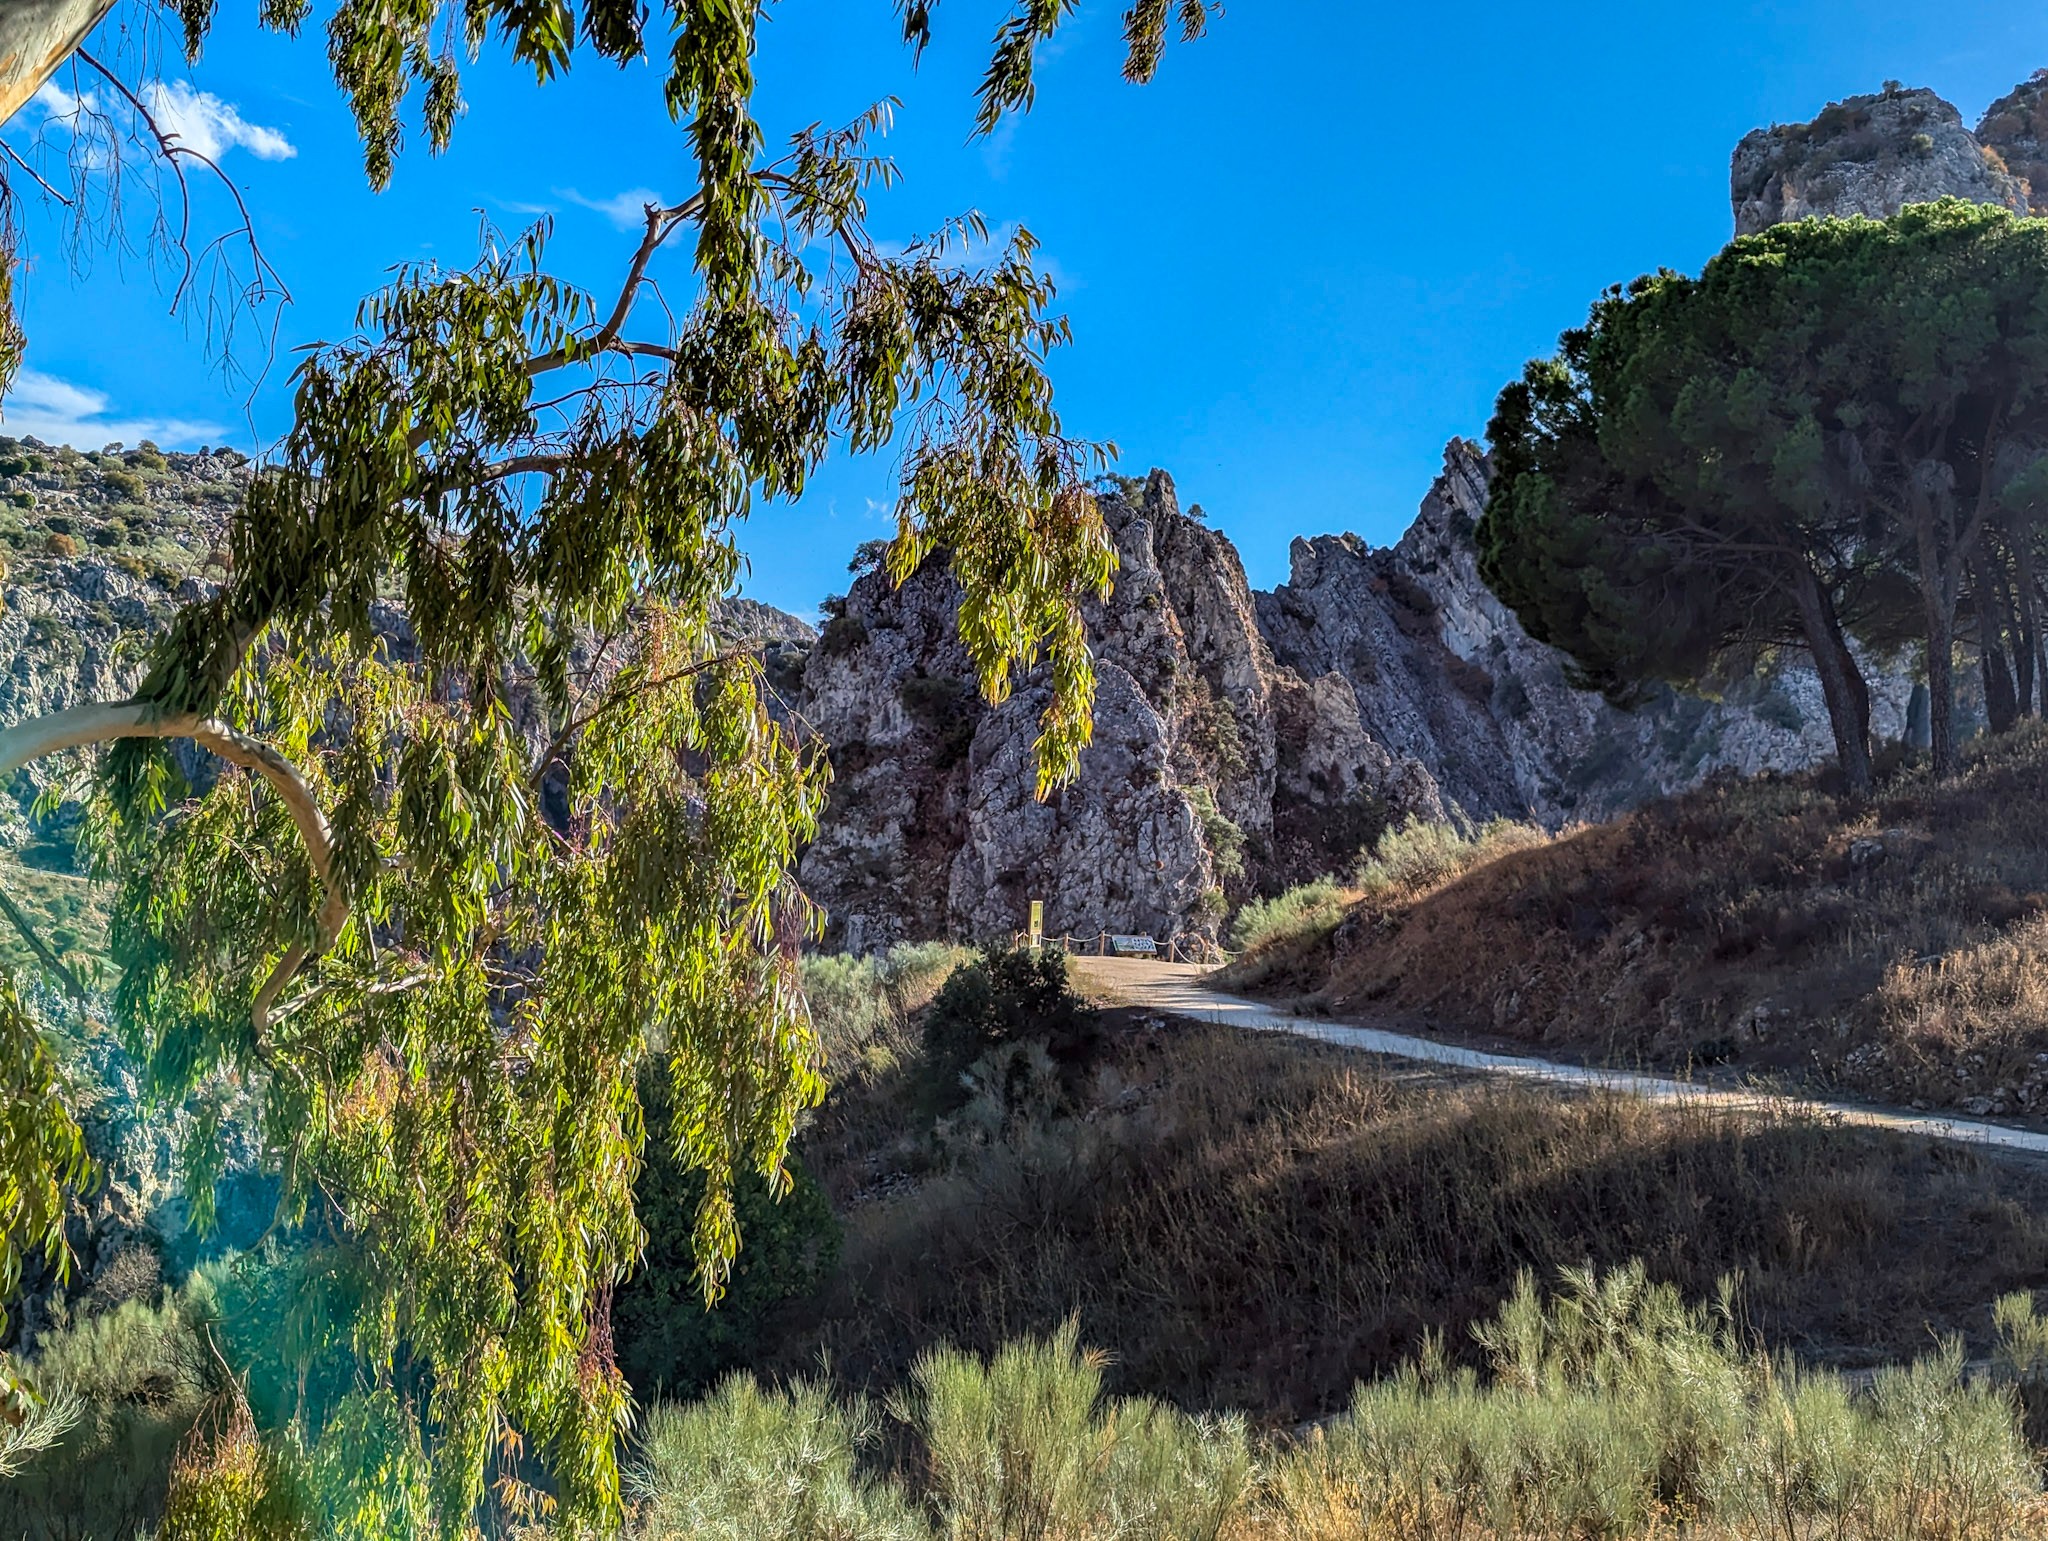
(56,411)
(60,103)
(625,210)
(201,121)
(197,120)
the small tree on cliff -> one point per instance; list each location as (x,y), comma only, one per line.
(1839,410)
(443,899)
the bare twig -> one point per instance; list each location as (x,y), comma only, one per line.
(173,151)
(15,156)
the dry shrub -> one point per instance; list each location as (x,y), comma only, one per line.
(1610,1410)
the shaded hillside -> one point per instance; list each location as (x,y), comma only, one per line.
(1255,1222)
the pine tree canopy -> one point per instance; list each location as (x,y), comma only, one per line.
(1829,431)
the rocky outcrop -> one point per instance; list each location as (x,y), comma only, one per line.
(1873,155)
(1243,740)
(933,828)
(2015,128)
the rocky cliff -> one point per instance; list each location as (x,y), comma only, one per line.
(1243,740)
(1873,155)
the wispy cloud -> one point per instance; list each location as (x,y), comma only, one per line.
(201,121)
(197,120)
(56,411)
(625,210)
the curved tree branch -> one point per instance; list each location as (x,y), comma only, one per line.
(77,727)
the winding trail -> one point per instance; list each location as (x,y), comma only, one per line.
(1177,989)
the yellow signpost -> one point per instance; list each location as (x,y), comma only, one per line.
(1037,923)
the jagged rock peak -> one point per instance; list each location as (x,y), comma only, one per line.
(2016,128)
(1869,155)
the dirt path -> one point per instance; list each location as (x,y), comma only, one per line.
(1177,988)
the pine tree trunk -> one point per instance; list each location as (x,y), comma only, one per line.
(2032,676)
(35,37)
(1841,681)
(1938,604)
(1994,626)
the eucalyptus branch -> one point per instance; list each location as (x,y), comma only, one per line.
(173,152)
(41,949)
(77,727)
(576,725)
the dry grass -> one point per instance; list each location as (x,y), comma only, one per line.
(1256,1223)
(1893,949)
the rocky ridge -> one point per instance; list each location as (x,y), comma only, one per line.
(1872,155)
(1243,740)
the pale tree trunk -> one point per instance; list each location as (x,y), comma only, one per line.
(77,727)
(35,37)
(1994,626)
(1841,681)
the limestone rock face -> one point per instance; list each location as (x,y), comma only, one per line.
(1121,849)
(1243,741)
(932,827)
(1869,155)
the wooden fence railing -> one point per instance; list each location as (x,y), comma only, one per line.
(1185,947)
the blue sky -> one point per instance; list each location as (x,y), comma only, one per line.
(1305,257)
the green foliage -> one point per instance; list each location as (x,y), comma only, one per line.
(1225,840)
(1834,427)
(1615,1404)
(1007,996)
(137,1378)
(862,1006)
(1419,855)
(944,708)
(436,912)
(669,1340)
(747,1463)
(124,483)
(42,1148)
(1024,1447)
(1311,906)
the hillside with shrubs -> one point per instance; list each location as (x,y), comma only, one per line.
(1054,1272)
(1888,949)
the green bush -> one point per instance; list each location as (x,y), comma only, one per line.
(1025,1447)
(1006,996)
(1306,908)
(120,480)
(747,1465)
(861,1006)
(138,1377)
(1419,855)
(1609,1410)
(944,708)
(1613,1406)
(666,1339)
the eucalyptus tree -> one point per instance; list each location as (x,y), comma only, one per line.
(490,813)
